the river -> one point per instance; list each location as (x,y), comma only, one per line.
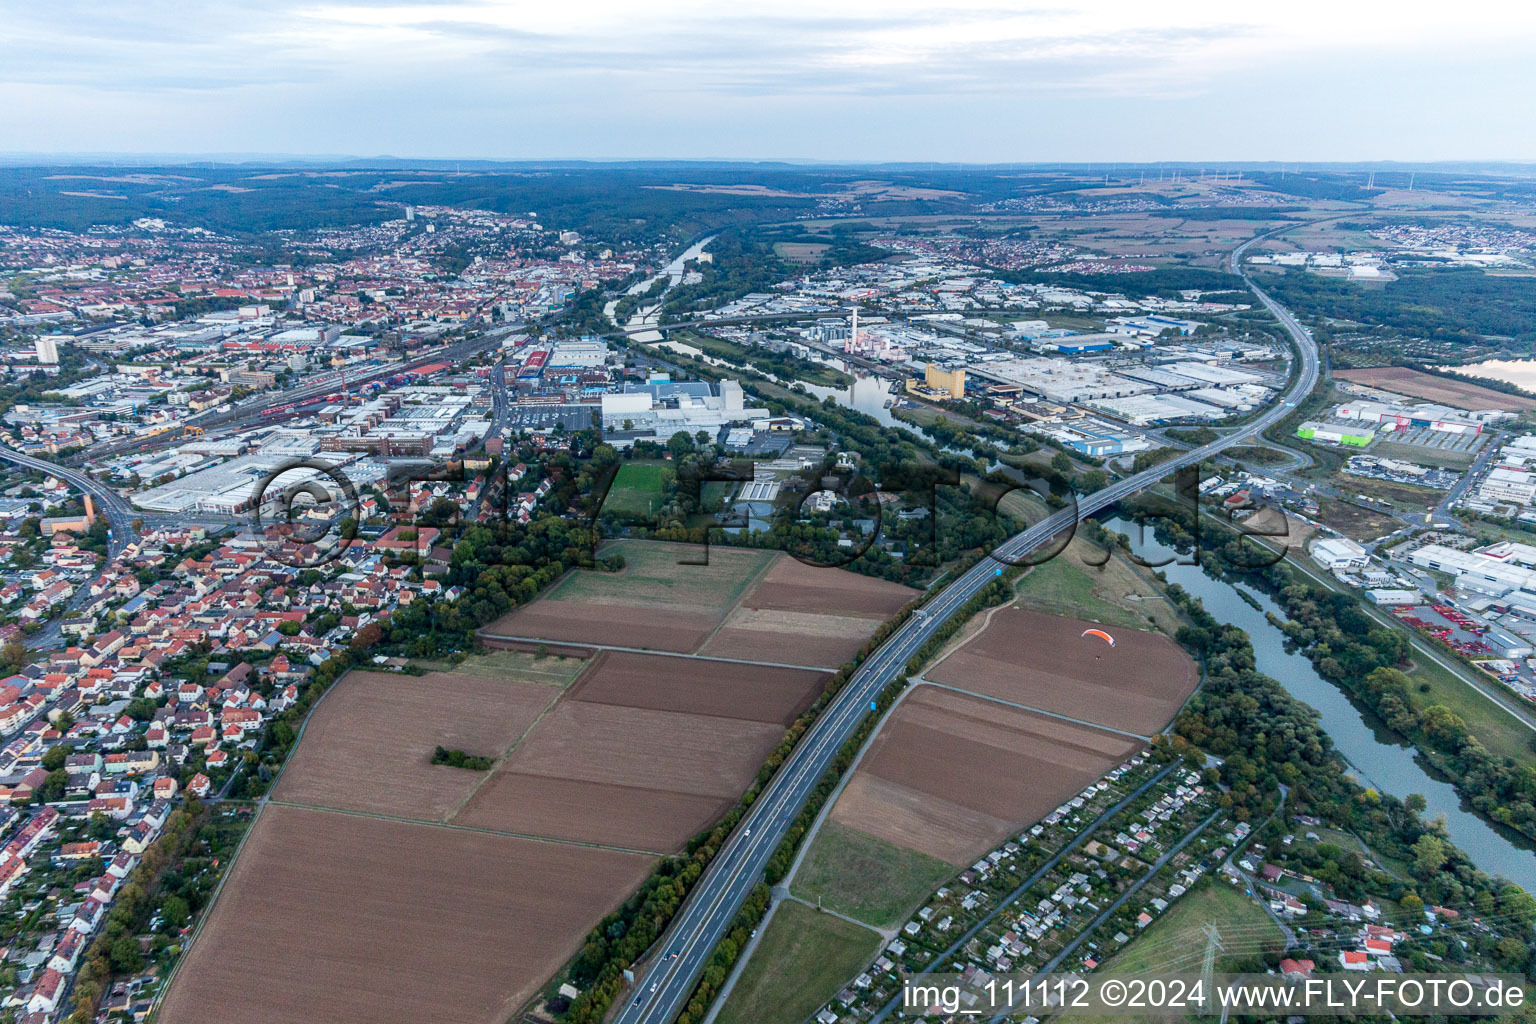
(1379,758)
(650,315)
(868,395)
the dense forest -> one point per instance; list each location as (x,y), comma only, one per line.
(1445,304)
(1164,282)
(1317,186)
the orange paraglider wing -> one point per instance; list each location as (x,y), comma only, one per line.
(1101,635)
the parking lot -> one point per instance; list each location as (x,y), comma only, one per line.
(1438,440)
(547,417)
(1475,637)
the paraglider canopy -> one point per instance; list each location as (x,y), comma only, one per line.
(1101,635)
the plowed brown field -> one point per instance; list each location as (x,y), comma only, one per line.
(347,919)
(655,628)
(951,775)
(646,749)
(791,585)
(340,917)
(1043,661)
(368,746)
(657,820)
(720,689)
(792,614)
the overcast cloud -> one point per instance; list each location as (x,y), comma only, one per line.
(859,80)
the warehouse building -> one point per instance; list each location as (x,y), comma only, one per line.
(1352,434)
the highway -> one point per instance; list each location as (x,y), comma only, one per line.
(662,991)
(108,502)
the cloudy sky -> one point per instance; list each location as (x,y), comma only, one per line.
(972,80)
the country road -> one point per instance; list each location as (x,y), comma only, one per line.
(663,990)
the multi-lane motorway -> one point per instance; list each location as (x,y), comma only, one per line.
(108,502)
(664,988)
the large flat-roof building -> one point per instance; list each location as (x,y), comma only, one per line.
(660,408)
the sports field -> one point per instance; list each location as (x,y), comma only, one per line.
(638,487)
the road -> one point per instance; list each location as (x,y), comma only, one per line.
(664,989)
(108,502)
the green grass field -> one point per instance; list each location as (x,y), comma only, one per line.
(637,489)
(866,878)
(652,575)
(804,959)
(524,668)
(1493,727)
(1062,588)
(1175,942)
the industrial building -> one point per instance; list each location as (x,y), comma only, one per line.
(1480,572)
(1352,434)
(1401,417)
(661,407)
(1078,344)
(1503,484)
(578,355)
(939,383)
(1339,554)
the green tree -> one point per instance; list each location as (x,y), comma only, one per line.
(53,786)
(13,656)
(125,957)
(680,444)
(1429,856)
(175,912)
